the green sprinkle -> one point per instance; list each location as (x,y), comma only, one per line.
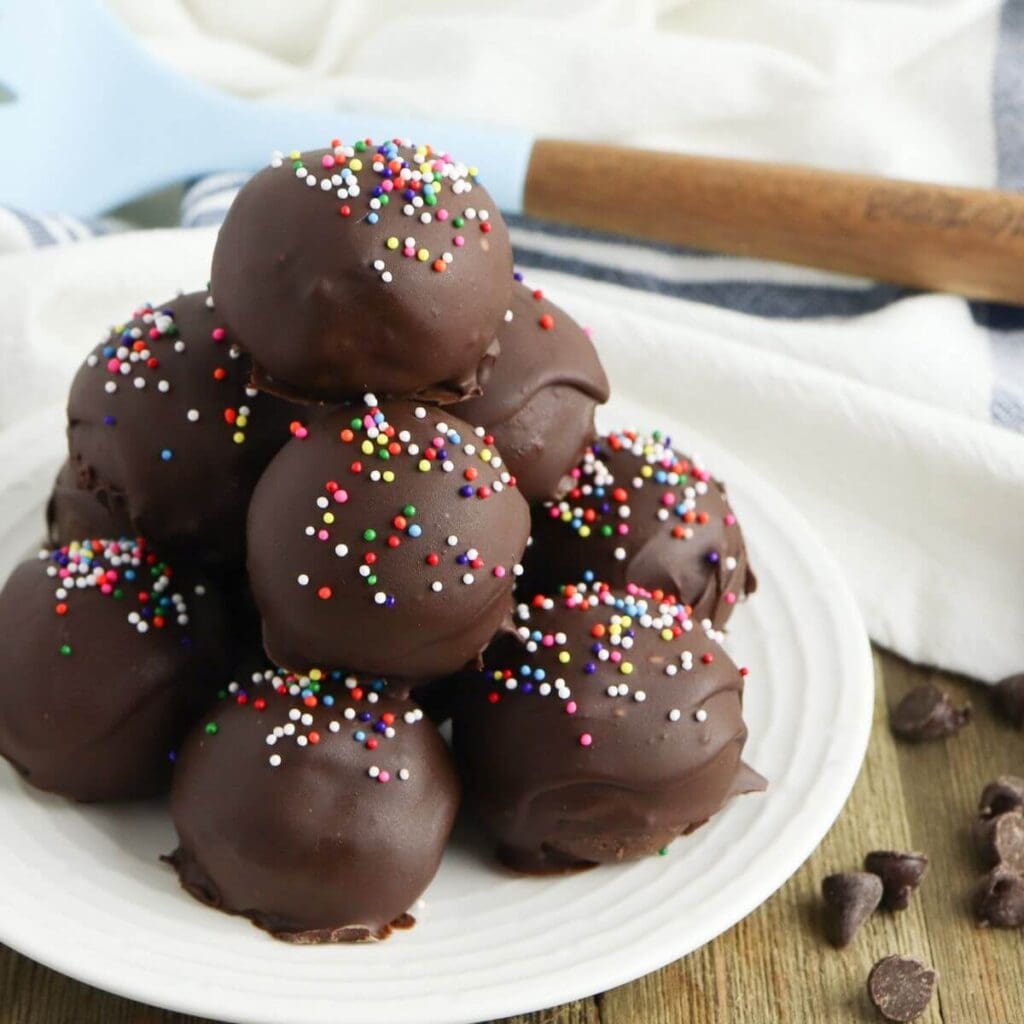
(360,146)
(369,533)
(606,531)
(459,222)
(371,580)
(409,510)
(384,454)
(663,852)
(65,649)
(355,423)
(212,729)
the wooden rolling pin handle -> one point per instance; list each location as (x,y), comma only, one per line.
(962,240)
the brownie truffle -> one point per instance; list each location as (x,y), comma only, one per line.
(317,806)
(639,512)
(385,539)
(109,660)
(163,428)
(74,512)
(365,267)
(539,399)
(607,726)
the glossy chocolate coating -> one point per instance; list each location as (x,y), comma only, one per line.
(286,815)
(333,305)
(539,399)
(340,558)
(170,434)
(589,739)
(642,513)
(74,512)
(90,707)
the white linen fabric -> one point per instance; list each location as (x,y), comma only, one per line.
(895,420)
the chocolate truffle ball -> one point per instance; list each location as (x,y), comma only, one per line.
(163,426)
(109,658)
(640,512)
(608,726)
(74,512)
(385,539)
(539,399)
(365,267)
(317,806)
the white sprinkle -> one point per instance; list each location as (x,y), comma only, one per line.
(350,714)
(275,760)
(139,383)
(387,277)
(335,726)
(303,580)
(452,540)
(700,715)
(467,578)
(179,345)
(322,502)
(378,264)
(420,413)
(437,586)
(110,387)
(373,771)
(674,715)
(403,774)
(192,415)
(639,696)
(341,550)
(380,597)
(508,316)
(671,670)
(301,740)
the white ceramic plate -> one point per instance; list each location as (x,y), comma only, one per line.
(82,889)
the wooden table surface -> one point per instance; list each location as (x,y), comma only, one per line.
(774,966)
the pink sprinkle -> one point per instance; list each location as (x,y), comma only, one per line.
(440,215)
(113,365)
(327,160)
(730,519)
(730,597)
(577,473)
(549,640)
(438,442)
(322,535)
(499,571)
(632,588)
(570,708)
(387,185)
(106,589)
(301,432)
(668,499)
(218,334)
(616,656)
(459,241)
(586,739)
(384,777)
(623,530)
(341,496)
(409,250)
(554,513)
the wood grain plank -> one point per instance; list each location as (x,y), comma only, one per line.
(775,965)
(981,968)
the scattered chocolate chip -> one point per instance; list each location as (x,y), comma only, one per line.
(999,899)
(901,988)
(1005,794)
(1008,699)
(1000,840)
(901,874)
(850,899)
(927,713)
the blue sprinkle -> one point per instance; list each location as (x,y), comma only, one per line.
(372,218)
(167,455)
(414,530)
(359,736)
(466,491)
(365,716)
(109,421)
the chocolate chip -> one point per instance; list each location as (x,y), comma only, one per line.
(1000,840)
(999,899)
(1008,699)
(850,899)
(901,874)
(1005,794)
(927,713)
(901,988)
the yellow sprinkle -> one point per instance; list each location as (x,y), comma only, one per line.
(356,164)
(328,518)
(584,531)
(626,668)
(472,171)
(315,674)
(626,620)
(424,466)
(294,154)
(392,242)
(646,471)
(387,476)
(566,517)
(564,657)
(238,437)
(666,634)
(241,421)
(485,454)
(367,447)
(423,255)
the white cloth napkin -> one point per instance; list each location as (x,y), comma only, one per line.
(895,421)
